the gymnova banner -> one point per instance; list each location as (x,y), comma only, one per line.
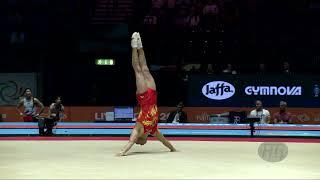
(195,114)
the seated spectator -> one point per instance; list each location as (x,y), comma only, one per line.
(194,69)
(178,116)
(17,35)
(180,3)
(199,5)
(283,117)
(229,70)
(211,8)
(171,4)
(263,114)
(150,19)
(193,20)
(210,16)
(210,69)
(151,22)
(163,21)
(157,5)
(181,19)
(261,69)
(286,68)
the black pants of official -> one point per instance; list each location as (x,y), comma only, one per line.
(46,123)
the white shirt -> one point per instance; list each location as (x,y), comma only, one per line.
(150,20)
(264,114)
(229,71)
(193,20)
(176,118)
(29,106)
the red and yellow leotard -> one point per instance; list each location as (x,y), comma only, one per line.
(148,115)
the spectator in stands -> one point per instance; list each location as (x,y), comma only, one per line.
(178,116)
(210,15)
(199,4)
(283,117)
(171,4)
(115,4)
(163,21)
(193,20)
(262,68)
(194,69)
(260,112)
(150,18)
(17,35)
(211,8)
(157,5)
(230,14)
(286,67)
(181,3)
(229,70)
(181,19)
(210,70)
(30,105)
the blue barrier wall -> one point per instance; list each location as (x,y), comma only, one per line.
(167,129)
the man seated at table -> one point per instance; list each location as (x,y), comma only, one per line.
(260,112)
(283,116)
(178,116)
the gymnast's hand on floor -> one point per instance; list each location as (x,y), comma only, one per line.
(121,153)
(174,150)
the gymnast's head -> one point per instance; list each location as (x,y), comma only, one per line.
(142,140)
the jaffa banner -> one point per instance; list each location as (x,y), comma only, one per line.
(243,90)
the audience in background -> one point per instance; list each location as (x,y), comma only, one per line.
(210,69)
(286,68)
(229,70)
(262,69)
(192,14)
(193,20)
(211,8)
(17,35)
(210,16)
(260,112)
(181,3)
(171,3)
(178,116)
(157,4)
(181,19)
(283,117)
(194,69)
(229,16)
(150,19)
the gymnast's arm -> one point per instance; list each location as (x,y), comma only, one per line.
(133,139)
